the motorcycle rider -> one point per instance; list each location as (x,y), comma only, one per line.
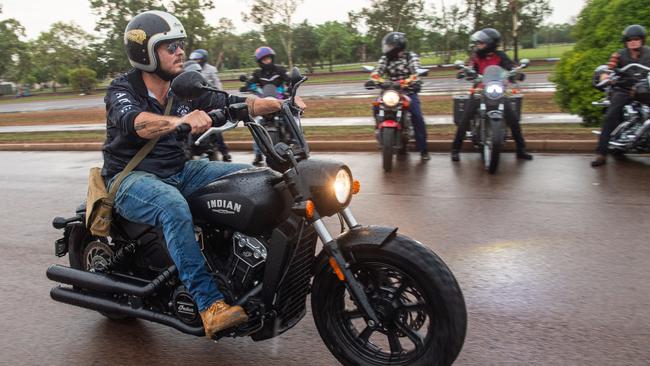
(210,73)
(400,65)
(268,73)
(154,193)
(485,43)
(635,51)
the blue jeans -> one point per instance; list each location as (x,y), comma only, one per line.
(417,120)
(147,199)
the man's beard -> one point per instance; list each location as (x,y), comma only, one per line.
(167,76)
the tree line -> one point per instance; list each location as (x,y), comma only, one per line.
(441,29)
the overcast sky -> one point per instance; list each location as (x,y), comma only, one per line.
(315,11)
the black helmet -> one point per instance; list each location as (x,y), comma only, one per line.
(145,32)
(633,31)
(392,44)
(488,36)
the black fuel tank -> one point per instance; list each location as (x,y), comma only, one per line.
(245,201)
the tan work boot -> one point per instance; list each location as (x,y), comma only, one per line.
(220,316)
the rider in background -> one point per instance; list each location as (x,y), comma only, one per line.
(401,65)
(635,51)
(485,43)
(210,73)
(268,73)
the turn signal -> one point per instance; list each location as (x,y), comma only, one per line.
(356,187)
(337,269)
(514,91)
(309,209)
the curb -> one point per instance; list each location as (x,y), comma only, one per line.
(563,146)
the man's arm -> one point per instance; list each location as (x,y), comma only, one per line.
(149,125)
(380,69)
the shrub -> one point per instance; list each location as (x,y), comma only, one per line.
(83,79)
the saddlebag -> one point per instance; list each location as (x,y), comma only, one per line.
(99,204)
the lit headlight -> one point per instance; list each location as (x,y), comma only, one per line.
(390,98)
(494,90)
(343,186)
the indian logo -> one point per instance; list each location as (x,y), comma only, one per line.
(224,207)
(136,35)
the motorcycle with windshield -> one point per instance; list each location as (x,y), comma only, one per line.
(487,129)
(393,127)
(633,134)
(377,297)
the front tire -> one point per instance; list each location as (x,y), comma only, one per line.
(415,296)
(387,144)
(493,146)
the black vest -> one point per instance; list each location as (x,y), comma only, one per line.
(626,58)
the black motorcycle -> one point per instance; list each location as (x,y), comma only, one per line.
(377,297)
(274,124)
(633,134)
(488,129)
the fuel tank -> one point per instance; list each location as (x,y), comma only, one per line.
(252,201)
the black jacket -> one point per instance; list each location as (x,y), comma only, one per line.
(276,75)
(126,97)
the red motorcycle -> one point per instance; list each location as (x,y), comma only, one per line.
(392,118)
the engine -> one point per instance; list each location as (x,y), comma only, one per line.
(246,266)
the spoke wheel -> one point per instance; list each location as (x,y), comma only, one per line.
(421,311)
(401,308)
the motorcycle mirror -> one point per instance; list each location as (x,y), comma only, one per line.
(243,78)
(367,68)
(189,85)
(295,75)
(459,63)
(243,89)
(422,72)
(524,63)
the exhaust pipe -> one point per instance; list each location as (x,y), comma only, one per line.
(94,302)
(101,282)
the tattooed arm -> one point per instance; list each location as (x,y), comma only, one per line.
(150,125)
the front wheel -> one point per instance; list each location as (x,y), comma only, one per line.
(387,144)
(492,146)
(417,300)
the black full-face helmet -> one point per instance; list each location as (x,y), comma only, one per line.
(392,44)
(145,32)
(488,36)
(634,31)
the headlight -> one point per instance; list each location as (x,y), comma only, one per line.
(343,186)
(390,98)
(494,90)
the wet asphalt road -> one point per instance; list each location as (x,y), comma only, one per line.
(534,82)
(552,256)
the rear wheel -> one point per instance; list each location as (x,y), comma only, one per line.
(387,144)
(96,256)
(417,300)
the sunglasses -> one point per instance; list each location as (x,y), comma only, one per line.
(173,46)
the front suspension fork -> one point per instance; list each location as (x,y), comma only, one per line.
(342,267)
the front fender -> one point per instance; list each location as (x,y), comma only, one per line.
(360,235)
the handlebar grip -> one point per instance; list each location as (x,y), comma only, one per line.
(183,129)
(218,117)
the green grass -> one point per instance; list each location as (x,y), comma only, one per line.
(314,133)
